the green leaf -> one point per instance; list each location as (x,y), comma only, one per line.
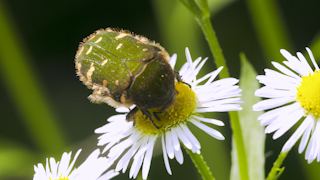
(193,7)
(253,133)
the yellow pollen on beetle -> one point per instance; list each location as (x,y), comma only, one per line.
(98,40)
(89,50)
(121,35)
(309,93)
(178,112)
(104,62)
(119,46)
(90,72)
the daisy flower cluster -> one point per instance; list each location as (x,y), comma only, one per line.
(92,168)
(292,96)
(134,140)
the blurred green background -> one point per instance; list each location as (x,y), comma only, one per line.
(44,107)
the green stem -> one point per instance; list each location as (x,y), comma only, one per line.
(202,15)
(214,45)
(200,164)
(241,151)
(276,170)
(212,40)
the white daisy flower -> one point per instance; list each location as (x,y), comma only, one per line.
(293,96)
(136,140)
(92,168)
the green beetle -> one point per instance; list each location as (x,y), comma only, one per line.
(124,69)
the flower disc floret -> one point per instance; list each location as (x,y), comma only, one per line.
(309,93)
(179,112)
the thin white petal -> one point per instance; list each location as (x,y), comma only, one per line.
(183,137)
(312,58)
(293,118)
(212,132)
(165,157)
(169,144)
(208,120)
(272,103)
(179,156)
(147,159)
(173,60)
(296,135)
(305,137)
(190,136)
(284,70)
(175,140)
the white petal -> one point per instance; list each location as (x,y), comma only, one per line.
(296,135)
(208,120)
(268,92)
(284,70)
(179,156)
(169,144)
(122,109)
(312,58)
(212,132)
(135,167)
(305,137)
(306,66)
(283,119)
(214,75)
(173,60)
(190,136)
(165,157)
(175,140)
(272,103)
(147,159)
(182,137)
(293,119)
(221,108)
(314,145)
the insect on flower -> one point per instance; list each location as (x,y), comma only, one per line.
(124,69)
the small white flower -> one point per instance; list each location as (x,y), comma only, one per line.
(92,168)
(293,96)
(136,142)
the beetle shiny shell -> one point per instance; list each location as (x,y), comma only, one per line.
(124,69)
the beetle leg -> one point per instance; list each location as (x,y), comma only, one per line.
(156,116)
(148,115)
(179,79)
(131,113)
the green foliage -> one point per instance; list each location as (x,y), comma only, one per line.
(253,133)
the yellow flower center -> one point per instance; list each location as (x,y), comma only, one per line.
(309,93)
(178,112)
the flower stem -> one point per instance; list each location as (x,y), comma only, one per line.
(238,138)
(201,165)
(214,45)
(212,40)
(276,171)
(202,14)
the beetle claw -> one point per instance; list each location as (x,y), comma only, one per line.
(148,115)
(179,79)
(156,116)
